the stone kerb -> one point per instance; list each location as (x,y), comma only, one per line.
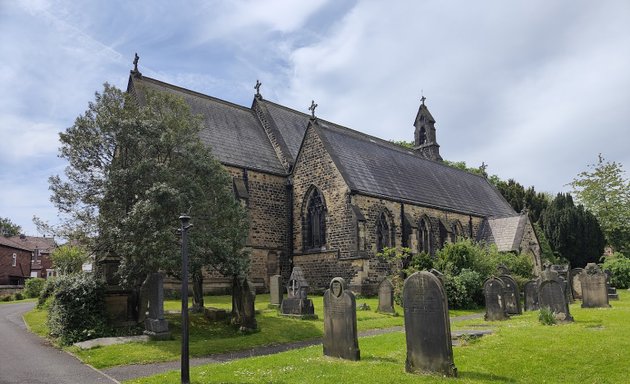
(494,291)
(340,322)
(512,295)
(427,326)
(594,288)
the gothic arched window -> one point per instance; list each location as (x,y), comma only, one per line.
(457,231)
(424,236)
(315,221)
(383,232)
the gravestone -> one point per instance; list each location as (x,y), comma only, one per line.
(594,288)
(427,326)
(551,295)
(494,291)
(531,295)
(275,290)
(503,270)
(612,291)
(576,284)
(248,315)
(438,274)
(297,303)
(340,322)
(512,295)
(548,274)
(386,297)
(156,326)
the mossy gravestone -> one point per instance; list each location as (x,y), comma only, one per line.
(594,288)
(576,284)
(340,322)
(275,290)
(551,295)
(427,326)
(493,292)
(531,295)
(156,326)
(512,295)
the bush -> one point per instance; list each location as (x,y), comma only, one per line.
(464,291)
(546,316)
(18,295)
(77,311)
(47,291)
(33,287)
(619,267)
(6,298)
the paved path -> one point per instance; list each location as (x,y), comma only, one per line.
(27,358)
(126,372)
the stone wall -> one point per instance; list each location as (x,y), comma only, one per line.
(320,268)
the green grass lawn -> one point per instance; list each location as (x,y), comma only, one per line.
(593,349)
(208,338)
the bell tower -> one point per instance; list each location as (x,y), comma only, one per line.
(425,143)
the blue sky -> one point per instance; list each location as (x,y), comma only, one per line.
(535,89)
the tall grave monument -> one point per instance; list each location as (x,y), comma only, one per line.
(297,303)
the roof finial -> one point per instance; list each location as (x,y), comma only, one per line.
(135,65)
(312,108)
(257,88)
(422,98)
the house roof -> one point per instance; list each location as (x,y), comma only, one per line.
(377,167)
(29,243)
(231,131)
(506,232)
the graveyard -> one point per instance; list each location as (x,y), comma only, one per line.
(519,349)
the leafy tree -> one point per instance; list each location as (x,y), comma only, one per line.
(68,259)
(604,191)
(8,228)
(134,167)
(573,232)
(521,198)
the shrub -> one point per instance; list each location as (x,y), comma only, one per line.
(47,291)
(33,287)
(546,316)
(619,267)
(77,311)
(464,290)
(6,298)
(18,295)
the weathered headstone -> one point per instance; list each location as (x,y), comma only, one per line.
(512,295)
(531,295)
(503,270)
(576,284)
(156,326)
(612,291)
(386,296)
(297,303)
(494,291)
(276,290)
(551,295)
(340,322)
(427,325)
(548,274)
(248,316)
(438,274)
(594,288)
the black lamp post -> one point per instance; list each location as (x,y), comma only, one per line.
(185,364)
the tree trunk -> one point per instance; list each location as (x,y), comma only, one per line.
(198,303)
(237,300)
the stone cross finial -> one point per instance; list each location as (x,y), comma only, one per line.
(135,62)
(312,108)
(257,87)
(423,99)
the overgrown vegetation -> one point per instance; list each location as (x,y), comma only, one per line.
(68,259)
(33,287)
(619,267)
(546,316)
(465,265)
(77,311)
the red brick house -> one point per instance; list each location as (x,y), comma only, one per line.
(32,258)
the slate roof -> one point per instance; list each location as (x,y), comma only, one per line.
(232,131)
(290,123)
(377,167)
(506,232)
(29,243)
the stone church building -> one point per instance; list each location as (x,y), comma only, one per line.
(329,198)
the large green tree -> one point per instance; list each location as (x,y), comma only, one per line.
(573,232)
(605,191)
(521,198)
(134,167)
(8,228)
